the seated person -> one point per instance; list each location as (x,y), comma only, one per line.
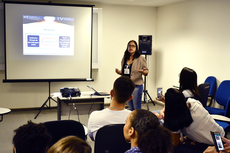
(146,135)
(188,86)
(191,119)
(31,138)
(70,144)
(116,113)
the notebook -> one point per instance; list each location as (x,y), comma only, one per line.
(99,93)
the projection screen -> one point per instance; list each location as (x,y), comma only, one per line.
(48,42)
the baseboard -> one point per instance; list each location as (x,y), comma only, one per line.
(32,108)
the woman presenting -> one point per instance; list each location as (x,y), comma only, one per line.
(134,66)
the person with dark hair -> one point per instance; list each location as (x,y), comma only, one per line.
(31,138)
(70,144)
(116,113)
(146,135)
(191,119)
(176,101)
(188,83)
(134,66)
(188,86)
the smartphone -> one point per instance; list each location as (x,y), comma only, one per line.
(159,93)
(217,141)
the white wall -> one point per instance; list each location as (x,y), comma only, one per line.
(194,34)
(120,24)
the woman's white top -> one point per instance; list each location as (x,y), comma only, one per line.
(202,124)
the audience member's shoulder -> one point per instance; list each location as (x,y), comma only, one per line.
(106,110)
(194,102)
(96,112)
(127,110)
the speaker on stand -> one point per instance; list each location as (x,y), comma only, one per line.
(145,47)
(145,44)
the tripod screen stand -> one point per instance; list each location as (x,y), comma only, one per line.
(45,103)
(146,92)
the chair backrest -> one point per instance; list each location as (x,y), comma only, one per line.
(63,128)
(110,139)
(227,112)
(223,93)
(204,91)
(212,81)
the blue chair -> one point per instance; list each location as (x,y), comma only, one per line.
(222,121)
(222,98)
(212,82)
(203,91)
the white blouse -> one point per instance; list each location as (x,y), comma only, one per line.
(203,123)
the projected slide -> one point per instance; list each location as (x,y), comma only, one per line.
(48,35)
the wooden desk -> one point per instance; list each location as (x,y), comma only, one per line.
(85,98)
(4,111)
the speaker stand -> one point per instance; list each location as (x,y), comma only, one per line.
(44,104)
(146,92)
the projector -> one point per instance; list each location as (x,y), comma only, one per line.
(70,91)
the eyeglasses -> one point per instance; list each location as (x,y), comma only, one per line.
(131,46)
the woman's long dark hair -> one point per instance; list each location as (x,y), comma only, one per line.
(127,54)
(188,80)
(152,137)
(177,114)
